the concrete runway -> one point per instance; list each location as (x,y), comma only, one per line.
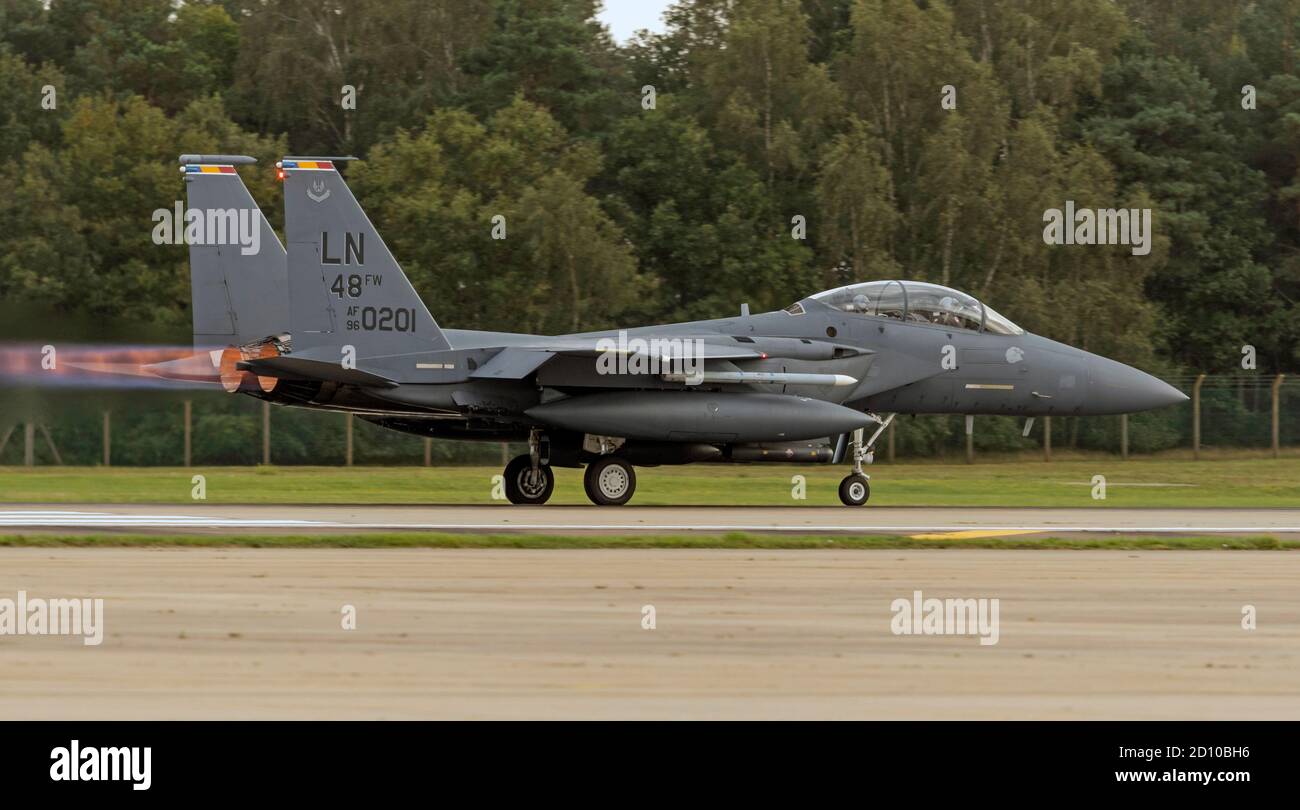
(317,518)
(256,633)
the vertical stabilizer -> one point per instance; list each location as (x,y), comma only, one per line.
(345,287)
(238,279)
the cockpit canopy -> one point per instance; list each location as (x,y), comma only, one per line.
(917,302)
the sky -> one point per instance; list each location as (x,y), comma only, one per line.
(625,17)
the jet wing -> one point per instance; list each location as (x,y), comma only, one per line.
(512,364)
(668,349)
(516,362)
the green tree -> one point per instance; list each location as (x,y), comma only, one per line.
(857,201)
(702,221)
(79,221)
(765,95)
(553,53)
(563,264)
(1043,53)
(401,57)
(23,118)
(1161,125)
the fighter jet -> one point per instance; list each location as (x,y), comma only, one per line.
(333,323)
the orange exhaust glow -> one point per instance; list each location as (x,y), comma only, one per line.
(235,379)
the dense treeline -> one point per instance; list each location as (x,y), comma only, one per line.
(765,114)
(764,110)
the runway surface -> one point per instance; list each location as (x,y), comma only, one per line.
(256,633)
(314,518)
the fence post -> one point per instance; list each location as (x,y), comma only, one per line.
(29,443)
(891,441)
(1277,401)
(428,452)
(970,438)
(1047,438)
(49,442)
(108,441)
(1196,416)
(266,433)
(188,433)
(1123,436)
(347,417)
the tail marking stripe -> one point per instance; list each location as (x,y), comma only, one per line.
(326,165)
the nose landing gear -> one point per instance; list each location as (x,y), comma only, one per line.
(855,489)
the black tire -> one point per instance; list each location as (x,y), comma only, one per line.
(609,481)
(854,490)
(522,487)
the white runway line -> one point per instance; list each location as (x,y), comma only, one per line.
(72,519)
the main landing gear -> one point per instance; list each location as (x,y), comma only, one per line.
(529,478)
(609,481)
(526,484)
(855,489)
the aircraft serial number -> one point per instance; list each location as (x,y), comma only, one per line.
(381,319)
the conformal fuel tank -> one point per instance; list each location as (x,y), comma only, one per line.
(699,416)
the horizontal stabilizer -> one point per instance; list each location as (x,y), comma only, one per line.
(302,368)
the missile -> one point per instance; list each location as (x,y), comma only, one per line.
(792,452)
(761,378)
(230,160)
(698,416)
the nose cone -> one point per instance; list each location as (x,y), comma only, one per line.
(1117,388)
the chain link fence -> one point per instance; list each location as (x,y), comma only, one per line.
(150,428)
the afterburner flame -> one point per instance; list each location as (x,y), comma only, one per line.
(235,379)
(73,365)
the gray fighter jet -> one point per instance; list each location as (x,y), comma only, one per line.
(333,323)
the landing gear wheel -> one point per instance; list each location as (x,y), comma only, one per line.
(524,485)
(854,490)
(609,481)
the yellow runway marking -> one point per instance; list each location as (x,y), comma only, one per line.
(974,534)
